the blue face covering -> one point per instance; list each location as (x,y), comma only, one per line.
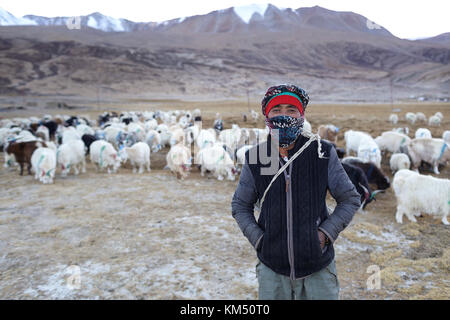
(289,128)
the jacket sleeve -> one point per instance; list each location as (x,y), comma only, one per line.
(242,207)
(344,192)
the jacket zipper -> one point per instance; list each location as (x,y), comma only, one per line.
(289,220)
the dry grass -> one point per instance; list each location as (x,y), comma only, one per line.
(152,237)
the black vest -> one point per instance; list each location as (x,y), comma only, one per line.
(309,180)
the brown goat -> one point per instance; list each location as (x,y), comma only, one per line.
(328,132)
(23,151)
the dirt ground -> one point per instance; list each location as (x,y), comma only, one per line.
(151,236)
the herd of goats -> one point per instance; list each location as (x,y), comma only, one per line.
(62,142)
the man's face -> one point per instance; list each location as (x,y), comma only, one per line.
(284,110)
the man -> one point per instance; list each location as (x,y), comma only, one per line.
(294,234)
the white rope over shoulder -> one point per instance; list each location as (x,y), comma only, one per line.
(312,137)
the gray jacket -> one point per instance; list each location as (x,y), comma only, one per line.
(339,186)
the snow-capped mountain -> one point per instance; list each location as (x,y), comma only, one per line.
(247,12)
(94,20)
(254,17)
(7,19)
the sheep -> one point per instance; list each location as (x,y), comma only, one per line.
(307,126)
(104,155)
(446,136)
(240,153)
(43,133)
(254,115)
(85,129)
(421,117)
(261,134)
(139,156)
(194,130)
(423,133)
(369,151)
(25,136)
(43,162)
(399,161)
(417,193)
(153,139)
(150,124)
(432,151)
(4,132)
(391,141)
(393,118)
(115,135)
(205,138)
(231,137)
(216,160)
(439,115)
(179,160)
(184,121)
(137,129)
(71,155)
(164,134)
(353,140)
(70,133)
(328,132)
(404,130)
(410,117)
(218,123)
(434,121)
(181,135)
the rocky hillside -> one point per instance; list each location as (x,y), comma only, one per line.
(335,56)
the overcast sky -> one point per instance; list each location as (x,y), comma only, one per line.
(405,19)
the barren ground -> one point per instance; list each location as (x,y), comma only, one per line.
(151,236)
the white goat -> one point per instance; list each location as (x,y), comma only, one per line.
(423,133)
(420,116)
(43,162)
(418,194)
(43,132)
(138,154)
(369,151)
(399,161)
(153,139)
(71,155)
(179,160)
(446,136)
(410,117)
(353,140)
(391,141)
(216,160)
(432,151)
(164,133)
(254,115)
(205,138)
(393,118)
(240,154)
(434,121)
(103,154)
(69,134)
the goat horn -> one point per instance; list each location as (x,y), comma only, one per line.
(364,188)
(372,196)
